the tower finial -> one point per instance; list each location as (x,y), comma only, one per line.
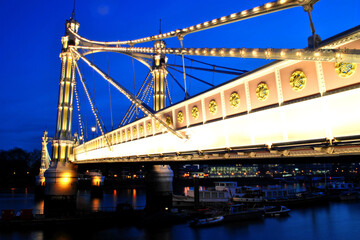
(160,27)
(73,12)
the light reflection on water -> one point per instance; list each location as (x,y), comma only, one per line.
(333,221)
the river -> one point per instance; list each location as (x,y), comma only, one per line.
(331,221)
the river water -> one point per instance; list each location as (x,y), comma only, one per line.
(331,221)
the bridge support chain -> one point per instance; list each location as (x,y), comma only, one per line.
(159,188)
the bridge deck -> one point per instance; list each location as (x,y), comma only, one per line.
(232,121)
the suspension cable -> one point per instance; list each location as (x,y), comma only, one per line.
(142,98)
(213,75)
(132,59)
(79,112)
(144,107)
(168,91)
(207,69)
(143,84)
(183,63)
(182,88)
(94,86)
(94,109)
(213,65)
(191,68)
(111,113)
(192,77)
(267,8)
(85,117)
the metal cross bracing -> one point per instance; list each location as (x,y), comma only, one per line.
(146,55)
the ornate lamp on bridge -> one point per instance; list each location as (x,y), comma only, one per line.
(93,129)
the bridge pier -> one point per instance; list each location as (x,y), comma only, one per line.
(159,188)
(60,189)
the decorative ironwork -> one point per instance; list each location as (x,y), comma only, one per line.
(234,100)
(148,127)
(195,112)
(141,129)
(298,80)
(157,125)
(180,117)
(213,107)
(345,70)
(123,135)
(168,120)
(262,91)
(129,133)
(134,132)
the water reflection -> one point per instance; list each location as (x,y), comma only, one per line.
(95,204)
(337,220)
(39,206)
(134,197)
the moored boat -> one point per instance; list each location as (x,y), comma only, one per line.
(240,212)
(350,195)
(276,211)
(278,196)
(204,222)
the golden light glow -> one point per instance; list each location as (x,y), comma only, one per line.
(141,128)
(65,179)
(96,180)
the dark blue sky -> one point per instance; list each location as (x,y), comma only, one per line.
(31,42)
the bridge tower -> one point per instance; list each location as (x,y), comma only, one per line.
(159,184)
(159,73)
(61,177)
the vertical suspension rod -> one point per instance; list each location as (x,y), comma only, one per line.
(93,107)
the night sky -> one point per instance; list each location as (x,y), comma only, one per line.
(31,34)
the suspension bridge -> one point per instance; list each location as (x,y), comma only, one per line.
(302,104)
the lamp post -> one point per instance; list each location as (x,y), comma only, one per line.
(93,130)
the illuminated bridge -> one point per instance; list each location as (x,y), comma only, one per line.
(303,104)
